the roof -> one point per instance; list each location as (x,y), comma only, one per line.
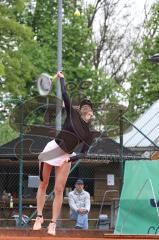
(107,146)
(30,146)
(148,123)
(34,144)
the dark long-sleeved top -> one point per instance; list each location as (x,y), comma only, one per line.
(75,130)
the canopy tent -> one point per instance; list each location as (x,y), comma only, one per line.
(138,208)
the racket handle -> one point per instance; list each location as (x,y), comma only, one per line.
(73,159)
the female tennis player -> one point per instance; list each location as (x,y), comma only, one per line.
(57,153)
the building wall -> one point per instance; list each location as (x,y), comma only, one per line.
(101,186)
(103,196)
(155,156)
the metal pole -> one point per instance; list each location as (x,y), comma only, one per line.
(21,168)
(59,65)
(121,151)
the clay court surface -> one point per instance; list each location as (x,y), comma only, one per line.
(74,238)
(65,234)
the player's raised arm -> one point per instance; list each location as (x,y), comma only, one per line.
(65,96)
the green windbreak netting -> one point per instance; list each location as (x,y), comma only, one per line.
(138,209)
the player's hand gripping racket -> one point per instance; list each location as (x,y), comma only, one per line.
(44,82)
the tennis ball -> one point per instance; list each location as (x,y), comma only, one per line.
(77,13)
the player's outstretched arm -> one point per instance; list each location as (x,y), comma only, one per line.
(65,96)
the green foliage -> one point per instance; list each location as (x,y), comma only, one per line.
(28,47)
(145,78)
(14,38)
(77,50)
(1,68)
(7,133)
(31,48)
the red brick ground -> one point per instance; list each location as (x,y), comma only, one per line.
(65,234)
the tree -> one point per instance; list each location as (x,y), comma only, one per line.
(14,37)
(84,56)
(144,79)
(90,64)
(7,133)
(20,55)
(78,49)
(113,37)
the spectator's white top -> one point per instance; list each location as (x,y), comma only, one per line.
(79,200)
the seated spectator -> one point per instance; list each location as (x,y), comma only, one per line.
(79,202)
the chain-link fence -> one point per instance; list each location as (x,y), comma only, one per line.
(24,137)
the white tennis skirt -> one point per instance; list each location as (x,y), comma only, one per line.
(54,155)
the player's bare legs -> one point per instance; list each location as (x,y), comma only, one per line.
(41,194)
(61,175)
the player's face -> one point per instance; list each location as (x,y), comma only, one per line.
(86,113)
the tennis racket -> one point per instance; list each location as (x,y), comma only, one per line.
(44,84)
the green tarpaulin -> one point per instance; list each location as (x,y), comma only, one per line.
(138,213)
